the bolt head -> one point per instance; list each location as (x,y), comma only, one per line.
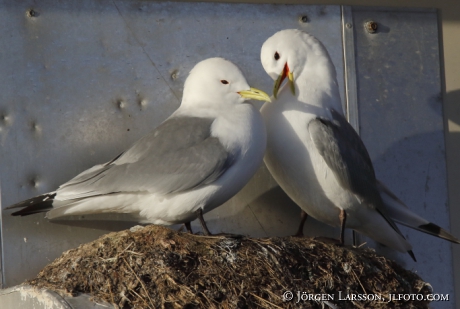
(32,13)
(371,26)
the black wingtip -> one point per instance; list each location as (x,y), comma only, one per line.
(412,255)
(41,203)
(438,231)
(34,209)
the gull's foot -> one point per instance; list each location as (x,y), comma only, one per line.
(228,235)
(187,226)
(298,235)
(329,240)
(222,235)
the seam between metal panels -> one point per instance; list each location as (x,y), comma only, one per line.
(351,91)
(349,69)
(1,243)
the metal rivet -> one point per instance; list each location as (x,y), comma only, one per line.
(371,26)
(349,25)
(32,13)
(304,19)
(174,74)
(34,182)
(121,104)
(142,103)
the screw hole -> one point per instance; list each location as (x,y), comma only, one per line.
(32,13)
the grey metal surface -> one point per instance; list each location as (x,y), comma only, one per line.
(1,240)
(82,80)
(351,91)
(27,297)
(401,123)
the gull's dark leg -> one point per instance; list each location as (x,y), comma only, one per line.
(343,219)
(303,218)
(203,223)
(341,240)
(188,227)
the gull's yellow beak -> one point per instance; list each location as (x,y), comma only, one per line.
(286,73)
(255,94)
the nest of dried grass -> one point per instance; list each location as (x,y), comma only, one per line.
(156,267)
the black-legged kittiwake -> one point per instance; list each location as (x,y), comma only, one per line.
(316,156)
(197,159)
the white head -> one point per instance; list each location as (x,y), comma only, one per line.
(293,53)
(216,81)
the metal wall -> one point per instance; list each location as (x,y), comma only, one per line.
(401,123)
(82,80)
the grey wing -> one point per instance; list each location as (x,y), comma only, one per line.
(90,175)
(344,152)
(346,155)
(177,156)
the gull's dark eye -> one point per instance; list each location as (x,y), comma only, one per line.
(277,56)
(224,82)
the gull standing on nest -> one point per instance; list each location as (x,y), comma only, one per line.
(317,157)
(196,160)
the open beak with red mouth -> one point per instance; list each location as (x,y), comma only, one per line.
(286,73)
